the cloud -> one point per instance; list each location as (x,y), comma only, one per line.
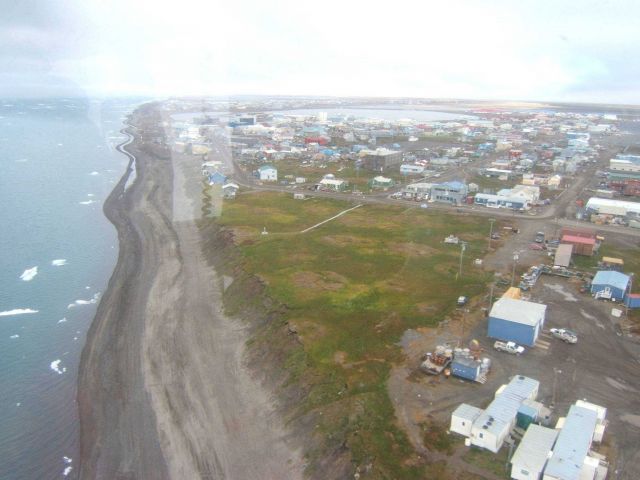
(539,50)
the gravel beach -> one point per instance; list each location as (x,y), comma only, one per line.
(164,390)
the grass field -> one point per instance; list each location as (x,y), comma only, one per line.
(351,288)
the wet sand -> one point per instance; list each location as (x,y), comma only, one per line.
(164,390)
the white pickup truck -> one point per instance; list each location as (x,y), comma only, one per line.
(565,335)
(509,347)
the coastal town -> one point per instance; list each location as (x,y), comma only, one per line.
(542,307)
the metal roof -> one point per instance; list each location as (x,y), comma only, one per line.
(467,412)
(534,449)
(611,277)
(518,311)
(504,408)
(563,255)
(578,239)
(573,444)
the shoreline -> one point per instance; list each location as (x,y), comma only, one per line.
(164,385)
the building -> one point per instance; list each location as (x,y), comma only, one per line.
(610,281)
(449,192)
(463,417)
(514,320)
(335,184)
(217,178)
(570,459)
(608,206)
(563,255)
(268,173)
(380,159)
(499,201)
(493,425)
(381,182)
(583,240)
(411,169)
(420,189)
(530,458)
(229,190)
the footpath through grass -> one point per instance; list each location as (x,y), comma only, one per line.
(351,288)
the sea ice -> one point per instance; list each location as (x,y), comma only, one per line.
(29,274)
(94,173)
(13,337)
(67,471)
(59,262)
(55,366)
(62,320)
(17,311)
(90,195)
(93,300)
(87,202)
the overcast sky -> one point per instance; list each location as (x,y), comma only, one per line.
(515,49)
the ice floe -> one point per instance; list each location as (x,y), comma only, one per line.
(90,195)
(93,300)
(55,366)
(59,262)
(87,202)
(13,337)
(21,160)
(94,173)
(17,311)
(29,274)
(67,471)
(62,320)
(67,460)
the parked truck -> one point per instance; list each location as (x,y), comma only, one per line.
(509,347)
(539,237)
(565,335)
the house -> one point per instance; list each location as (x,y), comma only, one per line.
(268,173)
(500,201)
(381,182)
(217,178)
(449,192)
(419,189)
(606,281)
(514,320)
(336,184)
(493,425)
(229,190)
(530,458)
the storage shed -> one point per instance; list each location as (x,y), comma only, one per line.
(466,367)
(563,255)
(463,417)
(610,280)
(581,245)
(533,452)
(517,321)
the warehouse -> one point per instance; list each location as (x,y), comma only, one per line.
(610,284)
(517,321)
(531,456)
(608,206)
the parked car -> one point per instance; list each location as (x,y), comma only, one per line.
(509,347)
(565,335)
(462,300)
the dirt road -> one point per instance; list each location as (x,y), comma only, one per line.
(164,391)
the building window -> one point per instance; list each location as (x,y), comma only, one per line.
(524,472)
(463,424)
(481,435)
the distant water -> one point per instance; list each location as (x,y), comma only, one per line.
(57,252)
(387,113)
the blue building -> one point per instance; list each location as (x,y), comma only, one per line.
(216,178)
(610,281)
(519,321)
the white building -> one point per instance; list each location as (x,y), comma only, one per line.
(411,169)
(463,417)
(490,428)
(532,454)
(621,165)
(608,206)
(268,173)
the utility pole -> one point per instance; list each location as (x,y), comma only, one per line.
(491,220)
(513,272)
(463,246)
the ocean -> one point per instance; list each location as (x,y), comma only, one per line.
(57,252)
